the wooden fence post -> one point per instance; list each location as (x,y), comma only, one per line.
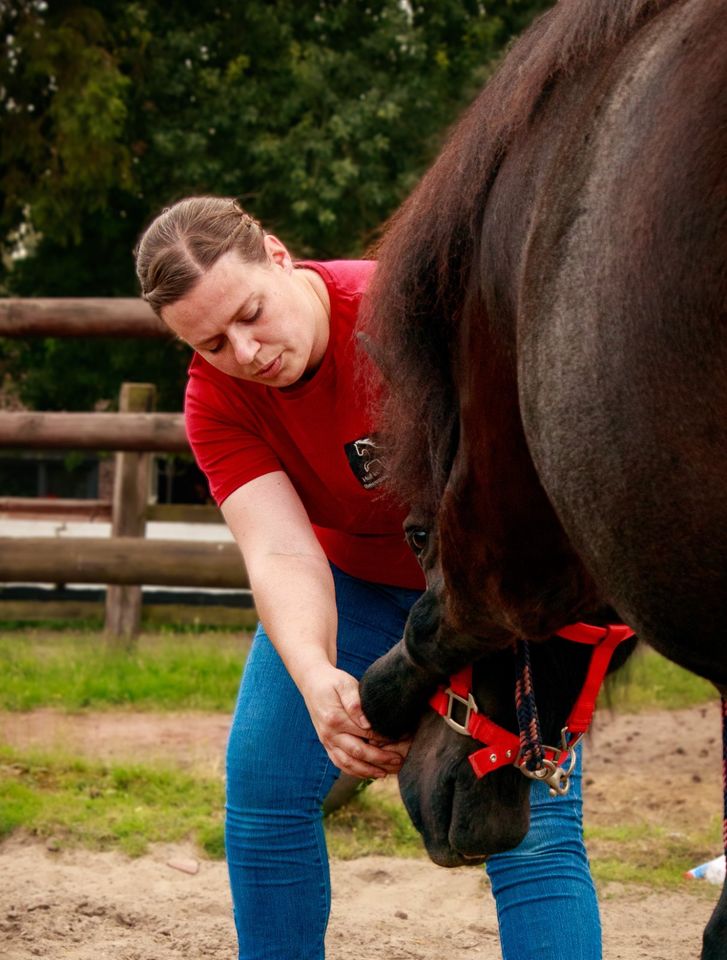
(131,492)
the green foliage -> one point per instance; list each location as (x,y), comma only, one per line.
(40,370)
(318,115)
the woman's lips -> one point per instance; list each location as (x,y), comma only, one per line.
(271,369)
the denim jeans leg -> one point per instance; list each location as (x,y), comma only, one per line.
(546,901)
(277,777)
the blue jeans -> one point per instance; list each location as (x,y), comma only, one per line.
(278,775)
(544,894)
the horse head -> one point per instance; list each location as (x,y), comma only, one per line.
(463,816)
(397,687)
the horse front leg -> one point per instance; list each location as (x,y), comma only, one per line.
(715,934)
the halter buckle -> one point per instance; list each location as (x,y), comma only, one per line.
(555,769)
(470,707)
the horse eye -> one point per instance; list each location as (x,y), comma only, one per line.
(417,538)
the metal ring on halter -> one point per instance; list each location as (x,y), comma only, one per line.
(557,779)
(556,770)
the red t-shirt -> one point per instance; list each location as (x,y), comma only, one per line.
(318,433)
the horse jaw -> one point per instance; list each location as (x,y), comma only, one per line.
(462,820)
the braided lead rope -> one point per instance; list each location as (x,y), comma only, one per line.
(724,770)
(531,738)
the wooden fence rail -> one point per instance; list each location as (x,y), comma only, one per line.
(156,432)
(54,508)
(80,317)
(122,560)
(90,511)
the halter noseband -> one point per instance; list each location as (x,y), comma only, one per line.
(553,765)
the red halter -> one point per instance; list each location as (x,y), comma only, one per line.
(502,747)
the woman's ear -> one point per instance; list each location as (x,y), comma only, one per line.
(278,252)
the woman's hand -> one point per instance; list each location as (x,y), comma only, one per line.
(333,702)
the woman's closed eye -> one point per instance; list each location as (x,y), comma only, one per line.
(253,317)
(217,346)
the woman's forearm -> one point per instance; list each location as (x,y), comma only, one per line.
(295,600)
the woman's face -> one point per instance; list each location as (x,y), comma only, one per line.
(265,322)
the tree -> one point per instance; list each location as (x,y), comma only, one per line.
(318,114)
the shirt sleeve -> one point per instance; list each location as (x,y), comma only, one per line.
(227,450)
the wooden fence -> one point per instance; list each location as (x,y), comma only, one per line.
(80,317)
(126,561)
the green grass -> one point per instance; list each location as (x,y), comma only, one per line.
(76,670)
(649,682)
(69,802)
(190,670)
(649,854)
(65,615)
(372,824)
(120,806)
(73,802)
(114,806)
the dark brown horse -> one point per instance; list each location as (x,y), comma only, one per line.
(549,312)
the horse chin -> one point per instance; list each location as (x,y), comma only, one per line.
(490,816)
(461,819)
(446,856)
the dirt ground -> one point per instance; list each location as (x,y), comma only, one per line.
(77,905)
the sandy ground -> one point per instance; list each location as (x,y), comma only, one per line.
(79,905)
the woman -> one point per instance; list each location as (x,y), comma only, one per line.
(276,422)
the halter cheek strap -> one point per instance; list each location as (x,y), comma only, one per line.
(604,645)
(502,748)
(457,706)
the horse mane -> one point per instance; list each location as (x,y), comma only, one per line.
(423,281)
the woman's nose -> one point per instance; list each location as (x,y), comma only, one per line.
(244,345)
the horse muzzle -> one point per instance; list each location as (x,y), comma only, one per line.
(462,820)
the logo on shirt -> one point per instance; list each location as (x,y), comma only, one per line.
(365,461)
